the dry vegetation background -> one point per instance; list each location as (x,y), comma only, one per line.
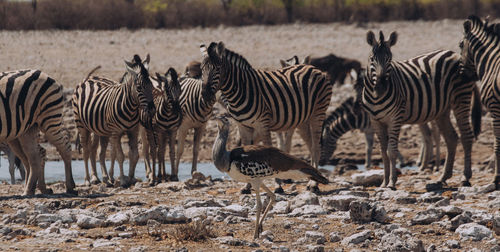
(133,14)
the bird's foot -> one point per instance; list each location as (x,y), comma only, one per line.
(245,191)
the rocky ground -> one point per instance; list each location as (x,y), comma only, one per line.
(205,214)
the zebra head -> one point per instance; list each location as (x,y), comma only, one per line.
(193,70)
(211,67)
(142,88)
(379,61)
(328,142)
(473,25)
(171,88)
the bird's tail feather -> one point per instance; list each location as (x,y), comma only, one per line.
(315,175)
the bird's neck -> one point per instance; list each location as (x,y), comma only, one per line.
(219,153)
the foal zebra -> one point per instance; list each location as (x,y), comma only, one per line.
(480,56)
(32,101)
(416,91)
(264,101)
(109,109)
(166,121)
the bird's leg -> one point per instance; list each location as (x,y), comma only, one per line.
(256,186)
(269,205)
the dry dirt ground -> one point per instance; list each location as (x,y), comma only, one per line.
(69,55)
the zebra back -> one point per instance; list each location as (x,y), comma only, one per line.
(279,100)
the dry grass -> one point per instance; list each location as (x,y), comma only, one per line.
(195,231)
(115,14)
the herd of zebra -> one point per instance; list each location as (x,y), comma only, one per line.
(163,108)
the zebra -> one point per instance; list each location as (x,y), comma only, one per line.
(106,108)
(264,101)
(33,101)
(416,91)
(479,58)
(193,70)
(196,111)
(15,162)
(166,121)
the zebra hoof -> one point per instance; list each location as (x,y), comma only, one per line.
(279,190)
(466,184)
(174,178)
(245,191)
(431,187)
(47,191)
(72,192)
(95,181)
(124,182)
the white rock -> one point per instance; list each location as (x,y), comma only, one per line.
(281,207)
(99,243)
(304,198)
(395,242)
(334,237)
(427,217)
(338,202)
(316,237)
(119,218)
(474,232)
(307,210)
(236,209)
(200,212)
(84,221)
(368,178)
(357,238)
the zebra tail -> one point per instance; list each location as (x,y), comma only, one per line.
(91,72)
(477,112)
(314,174)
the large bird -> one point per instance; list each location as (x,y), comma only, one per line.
(252,163)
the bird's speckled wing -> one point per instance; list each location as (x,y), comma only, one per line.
(254,169)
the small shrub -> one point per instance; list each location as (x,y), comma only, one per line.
(194,231)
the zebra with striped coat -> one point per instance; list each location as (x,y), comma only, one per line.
(109,109)
(264,101)
(480,56)
(166,121)
(33,101)
(416,91)
(196,111)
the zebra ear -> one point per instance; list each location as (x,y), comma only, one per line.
(307,60)
(370,39)
(467,26)
(393,38)
(220,49)
(203,50)
(145,63)
(172,74)
(296,60)
(130,68)
(283,63)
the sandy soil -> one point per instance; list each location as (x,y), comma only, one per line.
(69,55)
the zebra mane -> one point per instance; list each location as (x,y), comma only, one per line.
(237,59)
(493,29)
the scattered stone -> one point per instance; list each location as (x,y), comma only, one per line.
(357,238)
(201,203)
(308,211)
(487,188)
(458,220)
(334,237)
(119,218)
(84,221)
(360,211)
(102,243)
(5,230)
(283,249)
(304,198)
(315,248)
(314,236)
(236,210)
(474,232)
(427,217)
(451,210)
(338,202)
(267,235)
(454,244)
(229,240)
(126,235)
(430,197)
(281,207)
(397,242)
(496,225)
(368,178)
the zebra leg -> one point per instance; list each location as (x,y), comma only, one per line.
(174,176)
(437,139)
(426,148)
(133,154)
(61,141)
(198,134)
(93,160)
(106,178)
(17,150)
(30,147)
(381,131)
(369,147)
(496,131)
(462,114)
(117,146)
(181,138)
(85,141)
(451,138)
(145,154)
(394,131)
(12,168)
(162,146)
(288,140)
